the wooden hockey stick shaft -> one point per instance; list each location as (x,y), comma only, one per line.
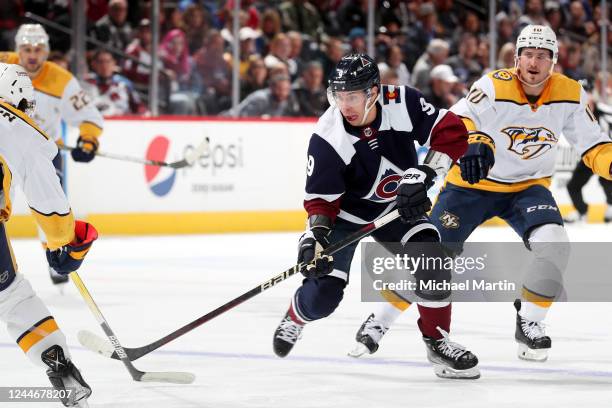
(136,353)
(137,375)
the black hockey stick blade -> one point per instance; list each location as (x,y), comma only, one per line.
(99,345)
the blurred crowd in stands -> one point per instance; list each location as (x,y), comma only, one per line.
(288,47)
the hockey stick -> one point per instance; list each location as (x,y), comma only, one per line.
(187,161)
(137,375)
(99,345)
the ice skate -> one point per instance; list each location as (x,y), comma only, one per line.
(533,343)
(285,336)
(451,360)
(368,336)
(575,218)
(66,378)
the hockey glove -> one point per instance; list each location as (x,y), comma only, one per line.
(85,150)
(312,242)
(412,201)
(70,257)
(478,159)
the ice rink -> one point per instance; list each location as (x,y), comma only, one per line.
(148,287)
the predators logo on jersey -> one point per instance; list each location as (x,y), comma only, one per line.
(530,143)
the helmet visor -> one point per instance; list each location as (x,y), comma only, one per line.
(348,99)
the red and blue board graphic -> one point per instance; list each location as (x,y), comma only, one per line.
(159,179)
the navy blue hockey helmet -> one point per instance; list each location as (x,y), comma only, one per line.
(354,72)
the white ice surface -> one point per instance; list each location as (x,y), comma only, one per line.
(148,287)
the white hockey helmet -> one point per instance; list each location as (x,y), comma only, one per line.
(538,36)
(16,88)
(31,34)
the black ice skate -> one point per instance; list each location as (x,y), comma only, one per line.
(57,278)
(451,360)
(533,343)
(286,334)
(66,378)
(368,336)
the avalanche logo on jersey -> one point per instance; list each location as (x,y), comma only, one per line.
(159,179)
(530,143)
(386,182)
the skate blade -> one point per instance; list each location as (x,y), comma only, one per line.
(444,371)
(358,351)
(525,353)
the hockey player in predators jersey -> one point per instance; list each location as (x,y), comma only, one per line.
(26,155)
(362,151)
(58,97)
(515,118)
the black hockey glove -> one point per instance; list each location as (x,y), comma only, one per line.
(412,201)
(478,159)
(312,242)
(85,150)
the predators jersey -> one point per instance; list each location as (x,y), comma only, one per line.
(526,135)
(59,96)
(26,156)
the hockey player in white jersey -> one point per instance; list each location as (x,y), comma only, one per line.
(26,156)
(58,97)
(514,117)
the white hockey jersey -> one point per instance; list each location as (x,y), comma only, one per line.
(26,155)
(59,96)
(526,135)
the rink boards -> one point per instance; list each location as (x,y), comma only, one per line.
(251,178)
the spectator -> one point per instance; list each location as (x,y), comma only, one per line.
(482,55)
(60,59)
(275,101)
(311,92)
(280,49)
(138,70)
(356,40)
(270,27)
(300,16)
(10,17)
(577,20)
(247,49)
(436,54)
(420,34)
(333,53)
(440,92)
(251,14)
(213,75)
(552,13)
(393,61)
(195,24)
(389,77)
(113,29)
(175,57)
(534,14)
(572,67)
(255,77)
(295,55)
(111,93)
(351,14)
(177,65)
(505,28)
(447,17)
(505,57)
(470,23)
(464,64)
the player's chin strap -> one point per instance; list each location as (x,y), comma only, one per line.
(367,108)
(439,162)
